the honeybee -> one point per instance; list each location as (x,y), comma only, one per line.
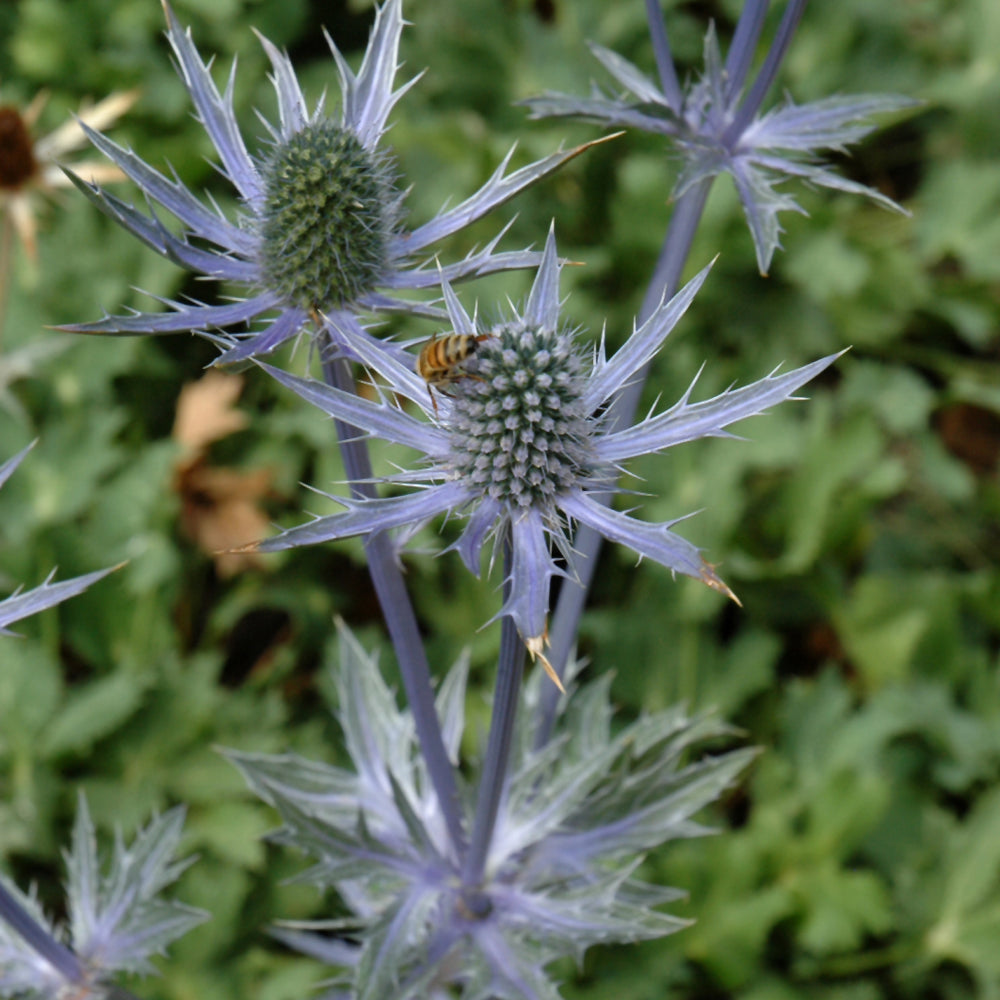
(441,359)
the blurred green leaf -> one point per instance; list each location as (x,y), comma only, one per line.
(968,918)
(30,690)
(91,713)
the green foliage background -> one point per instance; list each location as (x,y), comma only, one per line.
(861,857)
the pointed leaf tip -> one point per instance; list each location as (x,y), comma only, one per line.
(535,647)
(709,577)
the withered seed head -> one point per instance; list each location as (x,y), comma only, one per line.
(17,160)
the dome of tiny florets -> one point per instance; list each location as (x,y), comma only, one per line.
(328,219)
(519,430)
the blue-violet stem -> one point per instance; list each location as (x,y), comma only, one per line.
(54,952)
(587,542)
(768,71)
(510,671)
(744,44)
(664,60)
(400,618)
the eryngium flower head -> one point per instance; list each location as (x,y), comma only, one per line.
(714,125)
(321,235)
(520,442)
(576,819)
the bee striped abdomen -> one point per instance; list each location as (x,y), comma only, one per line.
(441,358)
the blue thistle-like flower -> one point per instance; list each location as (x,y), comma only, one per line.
(321,236)
(522,445)
(575,820)
(715,127)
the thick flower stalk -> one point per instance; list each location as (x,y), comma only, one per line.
(519,443)
(321,235)
(573,825)
(715,125)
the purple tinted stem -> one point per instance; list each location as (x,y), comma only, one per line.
(768,71)
(745,40)
(400,618)
(54,952)
(663,57)
(664,282)
(587,543)
(509,674)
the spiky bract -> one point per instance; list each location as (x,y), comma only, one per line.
(521,445)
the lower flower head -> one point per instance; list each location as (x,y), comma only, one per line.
(579,813)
